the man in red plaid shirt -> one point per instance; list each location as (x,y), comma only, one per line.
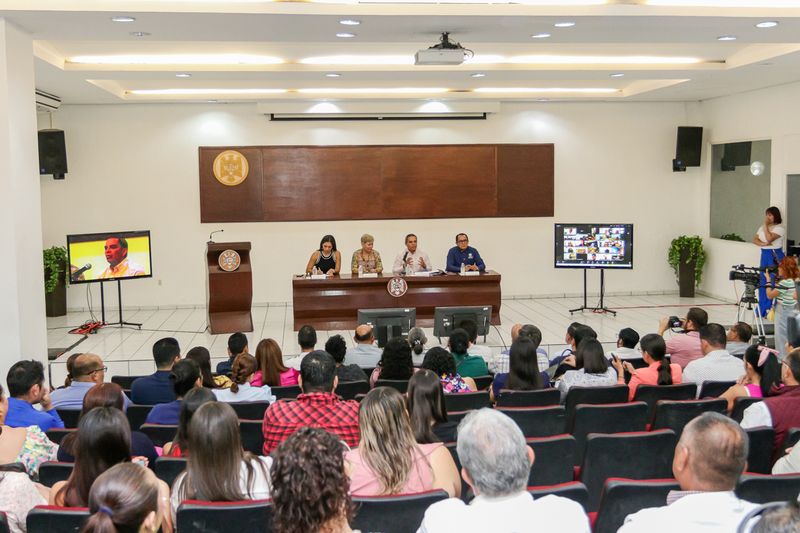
(317,407)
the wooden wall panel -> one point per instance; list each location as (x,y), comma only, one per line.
(293,183)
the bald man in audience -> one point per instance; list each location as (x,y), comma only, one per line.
(500,363)
(365,353)
(87,371)
(708,460)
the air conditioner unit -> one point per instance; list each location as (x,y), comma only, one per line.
(352,111)
(46,101)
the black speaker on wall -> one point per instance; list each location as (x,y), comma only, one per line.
(688,147)
(52,153)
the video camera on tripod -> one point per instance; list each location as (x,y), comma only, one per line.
(750,275)
(748,303)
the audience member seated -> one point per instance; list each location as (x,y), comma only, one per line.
(388,459)
(658,371)
(107,395)
(365,353)
(569,339)
(104,439)
(237,345)
(591,369)
(202,357)
(87,371)
(496,463)
(738,338)
(191,403)
(307,339)
(337,347)
(500,362)
(26,388)
(471,327)
(157,388)
(69,364)
(762,372)
(395,363)
(244,368)
(684,347)
(320,499)
(18,495)
(218,469)
(271,370)
(709,458)
(783,519)
(318,406)
(128,497)
(781,410)
(469,366)
(716,364)
(418,341)
(524,371)
(576,333)
(26,445)
(627,339)
(427,410)
(184,376)
(442,363)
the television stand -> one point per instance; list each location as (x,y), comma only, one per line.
(120,322)
(601,307)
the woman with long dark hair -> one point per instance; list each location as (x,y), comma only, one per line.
(523,369)
(762,373)
(395,363)
(769,237)
(271,370)
(191,403)
(427,410)
(202,357)
(658,370)
(467,365)
(592,367)
(327,260)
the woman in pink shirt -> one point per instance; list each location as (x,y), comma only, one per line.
(657,372)
(762,371)
(271,370)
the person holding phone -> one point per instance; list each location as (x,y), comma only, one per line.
(658,370)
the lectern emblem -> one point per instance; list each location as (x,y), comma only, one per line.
(397,287)
(231,168)
(229,260)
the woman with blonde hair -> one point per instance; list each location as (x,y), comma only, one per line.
(271,370)
(242,372)
(366,258)
(388,459)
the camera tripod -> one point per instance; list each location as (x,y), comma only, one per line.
(748,303)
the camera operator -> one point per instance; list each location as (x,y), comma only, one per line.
(785,295)
(769,238)
(684,347)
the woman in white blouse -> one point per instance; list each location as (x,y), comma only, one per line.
(242,373)
(769,238)
(592,367)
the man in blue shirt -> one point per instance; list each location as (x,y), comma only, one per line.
(87,371)
(157,388)
(185,376)
(26,388)
(463,253)
(237,345)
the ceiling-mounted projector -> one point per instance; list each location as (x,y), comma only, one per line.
(445,52)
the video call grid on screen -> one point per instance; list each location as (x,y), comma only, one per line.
(594,245)
(88,249)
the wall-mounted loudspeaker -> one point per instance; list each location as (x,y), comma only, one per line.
(688,148)
(52,153)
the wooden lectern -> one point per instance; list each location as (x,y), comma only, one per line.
(230,294)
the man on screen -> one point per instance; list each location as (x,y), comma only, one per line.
(116,250)
(464,254)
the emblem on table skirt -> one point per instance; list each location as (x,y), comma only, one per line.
(229,260)
(231,168)
(397,287)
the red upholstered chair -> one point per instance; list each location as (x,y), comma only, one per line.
(168,468)
(160,434)
(650,394)
(221,517)
(54,519)
(675,415)
(250,410)
(401,513)
(554,460)
(607,418)
(574,490)
(593,395)
(759,456)
(762,489)
(528,398)
(466,401)
(538,421)
(622,497)
(51,472)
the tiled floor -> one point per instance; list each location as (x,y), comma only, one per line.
(127,351)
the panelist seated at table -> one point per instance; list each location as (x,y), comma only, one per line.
(463,253)
(411,260)
(327,260)
(366,257)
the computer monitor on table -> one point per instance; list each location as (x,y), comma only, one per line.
(388,323)
(446,319)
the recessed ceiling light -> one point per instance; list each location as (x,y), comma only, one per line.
(726,38)
(617,75)
(123,19)
(767,24)
(333,75)
(540,35)
(140,33)
(211,101)
(345,35)
(479,75)
(565,24)
(183,75)
(350,22)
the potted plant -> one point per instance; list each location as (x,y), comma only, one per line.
(687,257)
(55,280)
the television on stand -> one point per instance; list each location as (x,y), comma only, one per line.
(388,322)
(446,319)
(594,246)
(111,256)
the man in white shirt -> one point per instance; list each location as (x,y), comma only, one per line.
(627,340)
(411,260)
(496,463)
(365,353)
(709,458)
(307,339)
(500,363)
(716,364)
(739,338)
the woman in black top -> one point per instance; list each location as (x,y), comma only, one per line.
(427,410)
(327,260)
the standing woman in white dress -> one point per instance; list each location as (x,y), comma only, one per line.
(769,238)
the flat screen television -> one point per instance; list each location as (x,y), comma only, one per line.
(593,246)
(388,323)
(115,255)
(446,319)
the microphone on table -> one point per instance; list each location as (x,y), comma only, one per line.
(211,236)
(81,270)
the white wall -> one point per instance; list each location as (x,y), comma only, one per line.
(136,167)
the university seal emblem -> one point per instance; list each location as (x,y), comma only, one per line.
(231,168)
(229,260)
(397,287)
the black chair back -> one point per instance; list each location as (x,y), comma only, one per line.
(222,517)
(168,468)
(466,401)
(4,528)
(528,398)
(466,491)
(395,514)
(791,438)
(348,390)
(137,414)
(250,410)
(740,404)
(538,421)
(51,472)
(574,490)
(400,385)
(594,396)
(252,436)
(483,382)
(622,497)
(126,382)
(715,389)
(53,519)
(675,415)
(608,418)
(288,392)
(763,489)
(57,434)
(69,417)
(759,455)
(555,457)
(650,394)
(160,434)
